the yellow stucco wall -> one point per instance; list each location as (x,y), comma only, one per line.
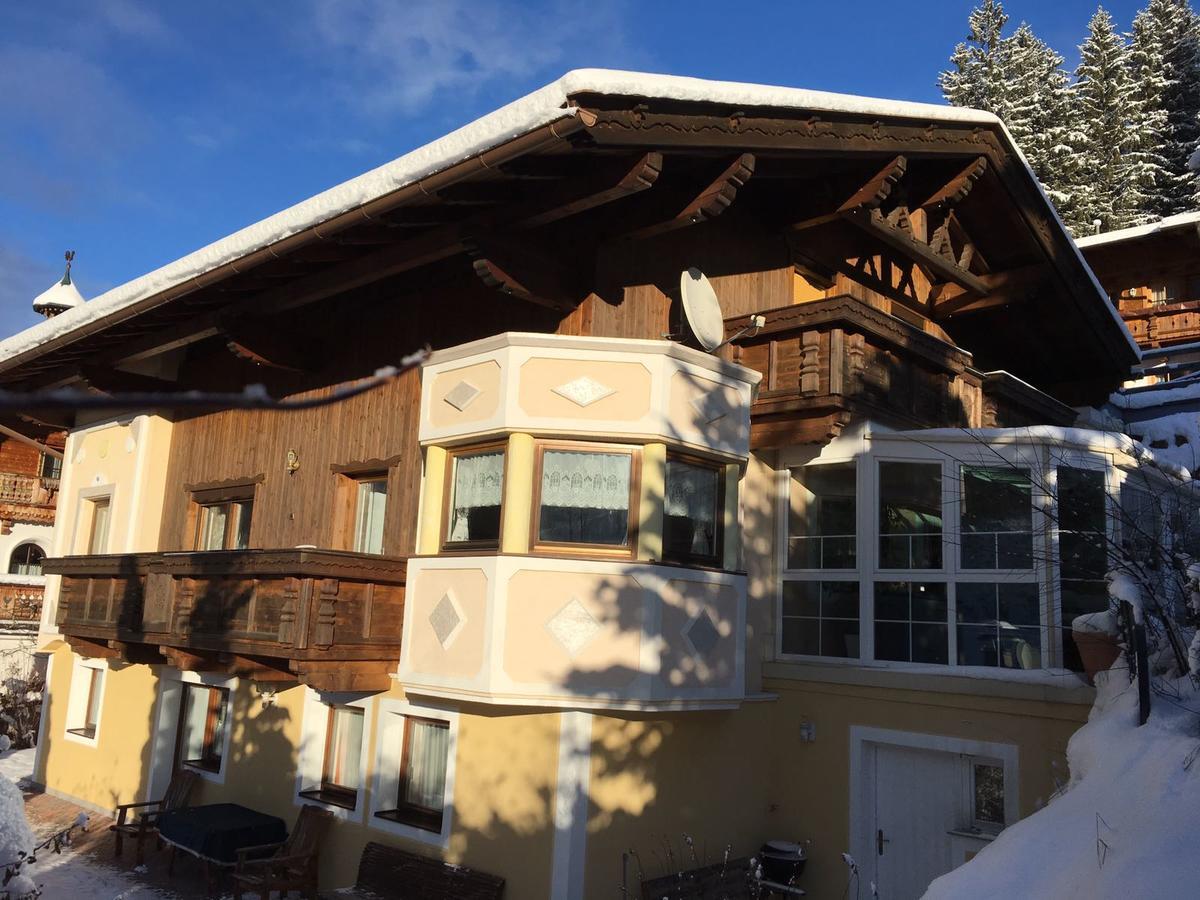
(114,770)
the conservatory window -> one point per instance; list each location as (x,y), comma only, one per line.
(910,622)
(821,522)
(998,625)
(820,618)
(692,512)
(476,490)
(996,529)
(585,498)
(1082,551)
(910,515)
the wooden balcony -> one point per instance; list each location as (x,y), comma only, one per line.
(327,618)
(20,603)
(27,498)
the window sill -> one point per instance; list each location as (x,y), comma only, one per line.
(85,733)
(428,823)
(346,800)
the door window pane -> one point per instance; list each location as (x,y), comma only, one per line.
(214,520)
(691,515)
(585,497)
(999,625)
(98,542)
(203,723)
(224,525)
(911,622)
(477,483)
(822,521)
(370,509)
(820,618)
(996,520)
(910,515)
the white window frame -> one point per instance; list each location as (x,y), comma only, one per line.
(311,756)
(77,699)
(85,517)
(170,708)
(389,748)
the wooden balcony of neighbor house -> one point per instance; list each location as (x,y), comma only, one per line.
(27,498)
(331,619)
(1162,324)
(20,601)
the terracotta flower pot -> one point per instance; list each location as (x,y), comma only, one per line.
(1097,650)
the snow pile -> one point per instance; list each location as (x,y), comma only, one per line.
(1103,622)
(1125,826)
(15,837)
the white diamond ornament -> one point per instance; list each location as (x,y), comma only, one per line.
(445,620)
(573,627)
(584,391)
(461,395)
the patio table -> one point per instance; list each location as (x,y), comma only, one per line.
(214,833)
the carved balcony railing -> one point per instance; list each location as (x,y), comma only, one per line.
(330,619)
(27,498)
(20,603)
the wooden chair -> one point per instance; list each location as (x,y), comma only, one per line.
(291,865)
(145,824)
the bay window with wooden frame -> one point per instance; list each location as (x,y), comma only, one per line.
(693,511)
(203,720)
(222,517)
(585,498)
(474,495)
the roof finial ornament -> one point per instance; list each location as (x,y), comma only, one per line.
(61,295)
(70,258)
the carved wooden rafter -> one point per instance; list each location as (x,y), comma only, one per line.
(265,345)
(708,203)
(521,270)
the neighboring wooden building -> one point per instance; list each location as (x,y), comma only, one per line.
(576,584)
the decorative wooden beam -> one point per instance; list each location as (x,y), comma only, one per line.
(709,203)
(640,176)
(957,188)
(90,649)
(874,224)
(519,270)
(187,661)
(114,381)
(260,669)
(345,675)
(869,196)
(267,345)
(1009,286)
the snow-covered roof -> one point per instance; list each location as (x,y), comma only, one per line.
(1182,220)
(530,112)
(60,295)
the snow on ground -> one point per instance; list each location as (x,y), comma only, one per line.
(1126,825)
(71,874)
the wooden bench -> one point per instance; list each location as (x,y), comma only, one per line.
(393,874)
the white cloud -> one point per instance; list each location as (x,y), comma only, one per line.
(401,57)
(133,19)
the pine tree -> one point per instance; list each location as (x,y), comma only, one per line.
(1036,105)
(1165,61)
(1113,173)
(976,80)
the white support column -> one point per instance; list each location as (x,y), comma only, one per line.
(571,806)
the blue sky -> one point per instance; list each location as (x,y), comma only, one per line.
(136,132)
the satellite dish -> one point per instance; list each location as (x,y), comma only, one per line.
(702,309)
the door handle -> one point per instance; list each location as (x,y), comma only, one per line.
(880,840)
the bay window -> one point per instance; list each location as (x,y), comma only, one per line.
(996,518)
(1082,552)
(998,624)
(693,511)
(585,498)
(822,529)
(820,618)
(911,622)
(476,488)
(910,515)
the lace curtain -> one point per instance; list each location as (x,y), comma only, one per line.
(579,480)
(478,482)
(428,750)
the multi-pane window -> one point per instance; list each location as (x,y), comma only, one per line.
(50,467)
(910,515)
(87,712)
(996,520)
(202,725)
(476,488)
(224,525)
(911,622)
(98,535)
(370,507)
(1082,551)
(821,522)
(585,498)
(692,512)
(999,624)
(341,764)
(421,793)
(820,618)
(26,560)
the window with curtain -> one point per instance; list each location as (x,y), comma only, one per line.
(26,560)
(98,537)
(369,510)
(910,515)
(203,719)
(421,797)
(692,512)
(224,525)
(584,498)
(476,490)
(822,531)
(996,519)
(341,766)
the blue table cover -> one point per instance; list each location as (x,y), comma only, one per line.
(217,831)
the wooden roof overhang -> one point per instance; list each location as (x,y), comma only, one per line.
(940,216)
(1138,260)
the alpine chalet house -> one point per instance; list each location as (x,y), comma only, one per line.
(578,584)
